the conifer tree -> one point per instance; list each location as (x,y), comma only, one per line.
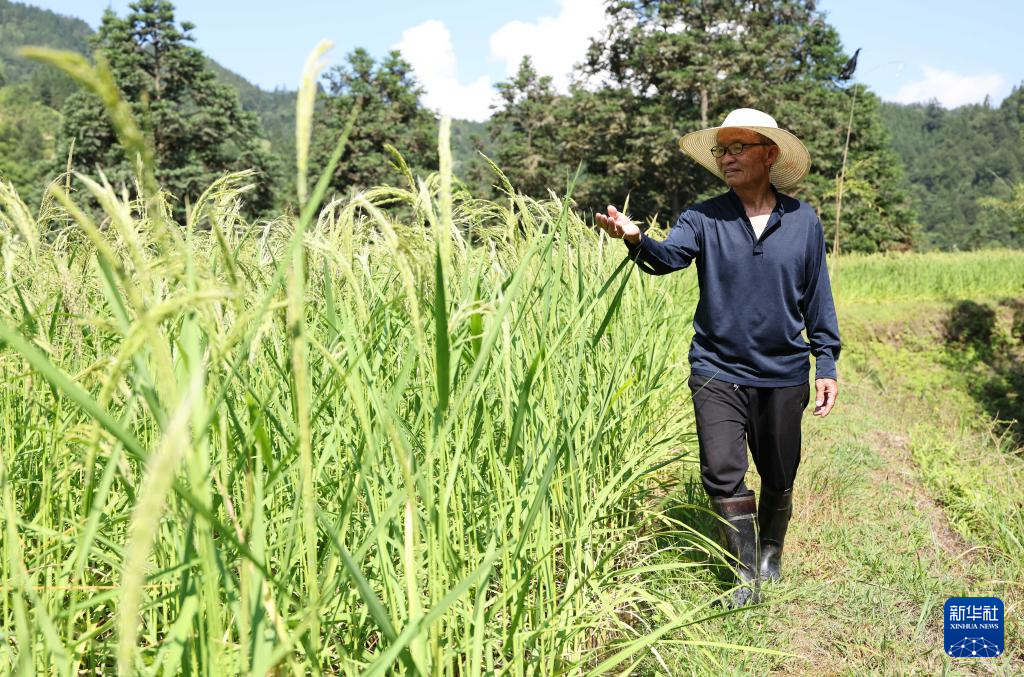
(196,125)
(391,113)
(526,133)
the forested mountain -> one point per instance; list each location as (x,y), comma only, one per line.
(32,96)
(468,137)
(26,25)
(275,109)
(954,160)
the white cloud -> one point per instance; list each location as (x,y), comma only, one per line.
(952,89)
(428,48)
(554,44)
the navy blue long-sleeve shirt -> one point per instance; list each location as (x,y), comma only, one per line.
(756,294)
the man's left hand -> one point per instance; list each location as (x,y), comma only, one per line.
(825,398)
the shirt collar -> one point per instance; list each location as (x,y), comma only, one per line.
(738,204)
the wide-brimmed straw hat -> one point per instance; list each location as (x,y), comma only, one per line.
(791,166)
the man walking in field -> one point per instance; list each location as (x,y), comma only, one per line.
(761,271)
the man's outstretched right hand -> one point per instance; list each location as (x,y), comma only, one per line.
(618,226)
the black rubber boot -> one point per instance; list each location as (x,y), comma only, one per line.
(742,542)
(773,517)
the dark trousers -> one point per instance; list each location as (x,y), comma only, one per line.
(731,416)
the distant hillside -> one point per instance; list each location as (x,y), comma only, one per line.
(954,159)
(463,134)
(22,25)
(276,110)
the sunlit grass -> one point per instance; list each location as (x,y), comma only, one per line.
(941,276)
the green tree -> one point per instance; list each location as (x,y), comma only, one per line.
(668,67)
(391,114)
(526,133)
(877,211)
(28,146)
(628,146)
(197,127)
(1010,211)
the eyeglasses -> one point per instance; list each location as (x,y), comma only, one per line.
(735,148)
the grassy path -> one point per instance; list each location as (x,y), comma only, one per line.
(876,545)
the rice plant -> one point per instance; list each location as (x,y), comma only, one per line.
(930,276)
(342,442)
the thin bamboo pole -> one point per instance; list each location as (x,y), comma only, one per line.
(839,189)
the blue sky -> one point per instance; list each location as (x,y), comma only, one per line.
(912,50)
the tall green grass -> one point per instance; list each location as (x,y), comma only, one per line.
(932,276)
(342,442)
